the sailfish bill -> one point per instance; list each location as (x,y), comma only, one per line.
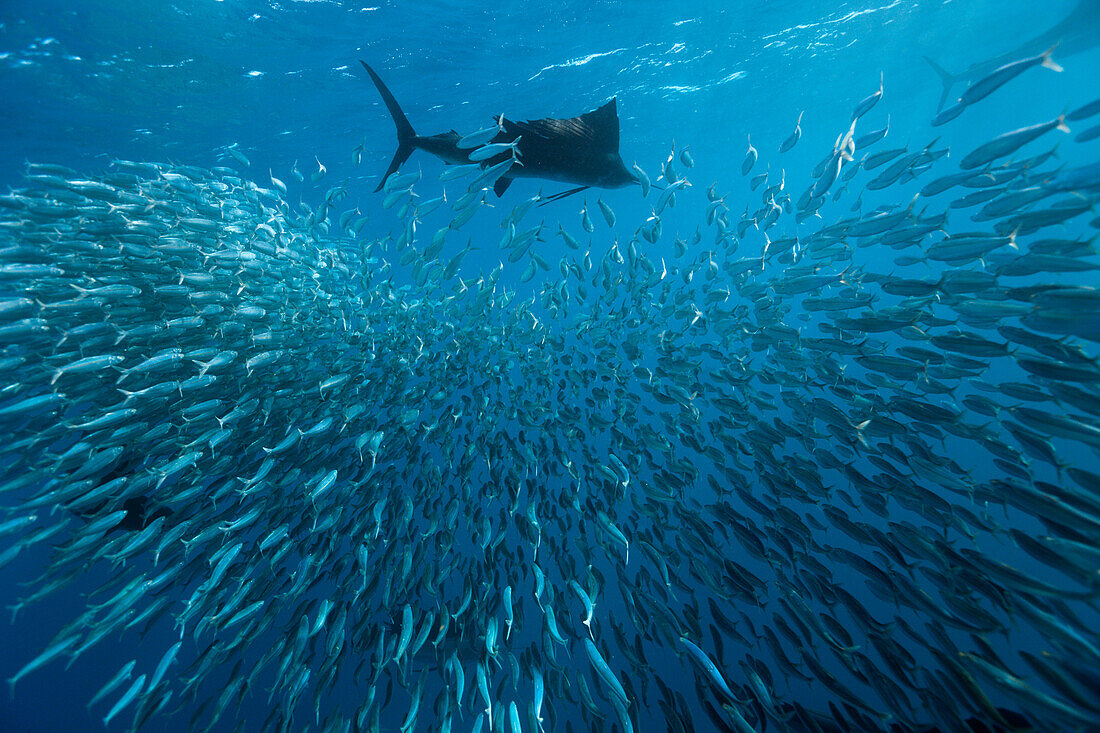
(582,150)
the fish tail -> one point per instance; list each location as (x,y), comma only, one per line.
(1062,123)
(1048,62)
(859,432)
(406,136)
(946,78)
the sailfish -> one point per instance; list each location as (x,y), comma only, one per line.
(581,150)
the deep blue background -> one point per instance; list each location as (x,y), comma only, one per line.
(154,81)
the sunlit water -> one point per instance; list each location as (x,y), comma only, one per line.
(270,89)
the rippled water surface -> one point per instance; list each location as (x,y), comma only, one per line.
(796,431)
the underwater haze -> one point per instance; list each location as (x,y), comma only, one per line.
(765,398)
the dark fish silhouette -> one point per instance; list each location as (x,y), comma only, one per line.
(140,511)
(581,150)
(1077,32)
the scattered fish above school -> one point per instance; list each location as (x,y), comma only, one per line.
(495,499)
(1076,33)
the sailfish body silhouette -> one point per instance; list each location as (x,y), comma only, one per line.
(581,150)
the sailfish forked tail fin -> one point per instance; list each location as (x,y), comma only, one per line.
(946,78)
(406,136)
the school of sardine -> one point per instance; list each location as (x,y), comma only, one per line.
(326,458)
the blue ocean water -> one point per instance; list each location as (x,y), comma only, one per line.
(266,89)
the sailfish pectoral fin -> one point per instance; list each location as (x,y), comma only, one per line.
(562,194)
